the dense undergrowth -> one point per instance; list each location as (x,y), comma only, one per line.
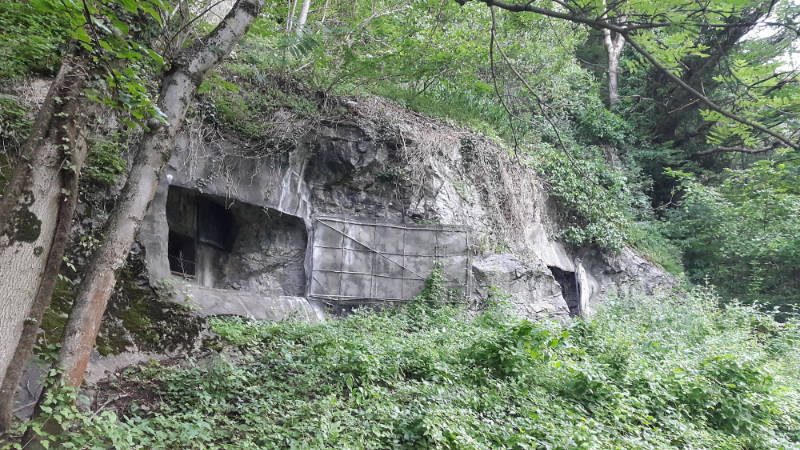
(677,371)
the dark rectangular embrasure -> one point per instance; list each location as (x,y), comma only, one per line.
(570,289)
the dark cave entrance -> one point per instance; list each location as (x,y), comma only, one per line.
(570,289)
(226,244)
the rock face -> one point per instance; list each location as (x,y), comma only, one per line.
(532,290)
(231,231)
(232,224)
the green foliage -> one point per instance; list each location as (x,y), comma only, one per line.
(651,239)
(478,112)
(248,106)
(109,37)
(744,234)
(430,56)
(104,162)
(30,41)
(435,289)
(597,201)
(644,373)
(60,415)
(594,124)
(14,129)
(15,124)
(433,58)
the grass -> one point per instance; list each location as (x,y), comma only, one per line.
(479,113)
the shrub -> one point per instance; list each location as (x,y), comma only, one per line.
(650,239)
(597,202)
(104,162)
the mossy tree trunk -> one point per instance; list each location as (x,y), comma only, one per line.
(35,220)
(177,90)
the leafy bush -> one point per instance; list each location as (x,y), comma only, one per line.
(597,201)
(14,123)
(248,107)
(743,235)
(650,239)
(644,373)
(594,124)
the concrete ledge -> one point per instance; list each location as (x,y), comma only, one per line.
(210,301)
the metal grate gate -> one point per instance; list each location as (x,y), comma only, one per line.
(358,262)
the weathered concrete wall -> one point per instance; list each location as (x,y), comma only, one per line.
(354,261)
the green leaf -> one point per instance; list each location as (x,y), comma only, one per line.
(129,5)
(81,35)
(123,27)
(155,57)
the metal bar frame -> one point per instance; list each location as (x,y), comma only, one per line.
(375,297)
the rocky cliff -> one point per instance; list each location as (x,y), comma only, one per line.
(233,225)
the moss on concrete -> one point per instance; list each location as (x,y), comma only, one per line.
(136,318)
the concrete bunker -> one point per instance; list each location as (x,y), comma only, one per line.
(570,289)
(224,244)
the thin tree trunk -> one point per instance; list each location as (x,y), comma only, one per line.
(324,13)
(177,90)
(613,42)
(35,213)
(290,15)
(301,21)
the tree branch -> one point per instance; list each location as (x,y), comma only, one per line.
(540,104)
(601,25)
(496,88)
(749,151)
(707,101)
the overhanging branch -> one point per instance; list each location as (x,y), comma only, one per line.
(749,151)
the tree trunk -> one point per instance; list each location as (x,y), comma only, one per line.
(290,15)
(177,90)
(613,42)
(30,330)
(301,21)
(324,13)
(36,213)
